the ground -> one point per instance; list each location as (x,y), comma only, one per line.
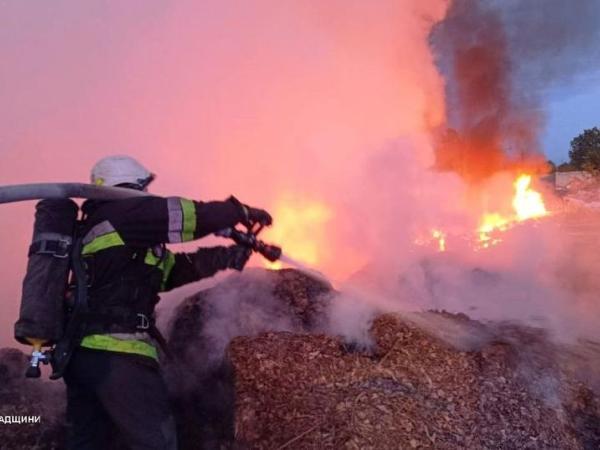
(255,368)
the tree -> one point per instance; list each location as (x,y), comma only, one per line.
(585,151)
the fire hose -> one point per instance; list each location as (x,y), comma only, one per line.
(23,192)
(35,191)
(63,348)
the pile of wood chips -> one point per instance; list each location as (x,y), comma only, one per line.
(499,386)
(26,397)
(305,391)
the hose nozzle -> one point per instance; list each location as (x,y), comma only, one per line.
(271,252)
(249,239)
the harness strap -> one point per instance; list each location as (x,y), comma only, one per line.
(126,323)
(54,244)
(160,340)
(114,321)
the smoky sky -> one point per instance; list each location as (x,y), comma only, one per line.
(263,99)
(498,58)
(329,103)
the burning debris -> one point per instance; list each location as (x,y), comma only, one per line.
(496,59)
(526,204)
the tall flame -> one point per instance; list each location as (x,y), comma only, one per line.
(527,204)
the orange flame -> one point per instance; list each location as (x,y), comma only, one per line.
(300,228)
(489,224)
(527,204)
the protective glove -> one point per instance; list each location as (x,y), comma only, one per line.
(236,257)
(257,215)
(251,215)
(209,260)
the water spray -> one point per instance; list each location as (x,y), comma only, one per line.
(304,268)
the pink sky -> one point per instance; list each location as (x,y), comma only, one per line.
(259,99)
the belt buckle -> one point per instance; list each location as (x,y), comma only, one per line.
(63,249)
(143,323)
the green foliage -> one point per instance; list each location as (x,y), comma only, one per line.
(585,151)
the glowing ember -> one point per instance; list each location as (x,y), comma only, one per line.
(435,238)
(440,237)
(489,224)
(300,230)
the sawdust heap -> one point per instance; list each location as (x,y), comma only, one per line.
(251,371)
(305,391)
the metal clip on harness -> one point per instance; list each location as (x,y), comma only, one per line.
(37,357)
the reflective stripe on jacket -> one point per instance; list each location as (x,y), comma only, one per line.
(127,264)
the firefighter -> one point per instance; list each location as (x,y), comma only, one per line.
(113,377)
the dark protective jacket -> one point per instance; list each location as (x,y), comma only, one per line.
(127,263)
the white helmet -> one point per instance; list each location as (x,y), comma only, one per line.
(120,169)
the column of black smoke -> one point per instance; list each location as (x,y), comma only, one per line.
(500,58)
(497,58)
